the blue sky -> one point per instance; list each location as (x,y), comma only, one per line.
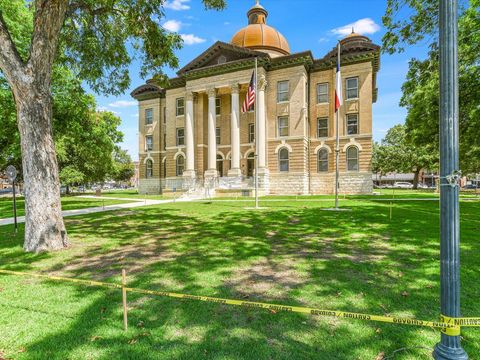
(307,24)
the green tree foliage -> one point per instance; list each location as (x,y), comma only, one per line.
(397,154)
(422,87)
(123,169)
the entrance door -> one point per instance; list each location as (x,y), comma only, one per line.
(250,165)
(220,165)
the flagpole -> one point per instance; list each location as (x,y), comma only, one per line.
(337,144)
(256,134)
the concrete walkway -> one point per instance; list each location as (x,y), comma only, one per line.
(133,203)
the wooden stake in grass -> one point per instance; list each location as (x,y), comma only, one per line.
(124,295)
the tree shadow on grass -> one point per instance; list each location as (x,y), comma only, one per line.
(358,261)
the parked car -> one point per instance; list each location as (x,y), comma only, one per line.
(422,186)
(403,185)
(470,187)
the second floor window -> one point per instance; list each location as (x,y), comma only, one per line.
(283,126)
(251,133)
(322,127)
(217,135)
(218,106)
(352,88)
(322,93)
(283,90)
(148,116)
(180,136)
(352,124)
(180,106)
(149,143)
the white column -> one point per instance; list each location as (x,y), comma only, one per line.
(212,135)
(235,132)
(189,138)
(262,125)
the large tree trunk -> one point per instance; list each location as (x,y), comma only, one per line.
(415,178)
(44,227)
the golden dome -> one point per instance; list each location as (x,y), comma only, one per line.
(257,35)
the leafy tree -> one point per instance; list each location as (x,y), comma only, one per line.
(397,154)
(422,87)
(90,37)
(124,169)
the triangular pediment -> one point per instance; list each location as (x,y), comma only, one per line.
(220,54)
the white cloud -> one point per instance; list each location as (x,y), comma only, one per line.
(190,39)
(122,103)
(177,5)
(172,25)
(364,26)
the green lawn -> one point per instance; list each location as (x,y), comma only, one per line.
(68,203)
(291,253)
(131,194)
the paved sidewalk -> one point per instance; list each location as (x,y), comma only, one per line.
(133,203)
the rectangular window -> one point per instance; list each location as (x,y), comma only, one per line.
(352,124)
(322,93)
(352,88)
(180,106)
(322,127)
(283,126)
(148,116)
(149,142)
(283,91)
(251,133)
(218,106)
(217,133)
(164,115)
(180,136)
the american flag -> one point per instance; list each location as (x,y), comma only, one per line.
(338,87)
(250,98)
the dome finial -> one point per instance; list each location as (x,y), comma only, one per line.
(257,2)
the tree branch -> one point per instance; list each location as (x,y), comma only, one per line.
(49,18)
(11,63)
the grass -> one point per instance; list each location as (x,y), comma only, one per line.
(68,203)
(291,253)
(130,194)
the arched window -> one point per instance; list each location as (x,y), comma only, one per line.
(149,169)
(322,160)
(284,160)
(180,165)
(352,158)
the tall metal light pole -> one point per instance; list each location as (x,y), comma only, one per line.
(449,347)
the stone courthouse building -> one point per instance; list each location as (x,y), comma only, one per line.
(193,129)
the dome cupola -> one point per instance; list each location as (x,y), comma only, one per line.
(257,35)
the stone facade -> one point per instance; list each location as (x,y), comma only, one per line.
(195,129)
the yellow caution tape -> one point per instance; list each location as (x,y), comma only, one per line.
(449,326)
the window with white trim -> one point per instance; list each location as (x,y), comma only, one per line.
(180,165)
(352,88)
(180,136)
(148,116)
(149,142)
(352,124)
(352,158)
(322,93)
(322,127)
(283,160)
(180,106)
(218,106)
(282,126)
(322,160)
(251,133)
(283,91)
(218,135)
(149,169)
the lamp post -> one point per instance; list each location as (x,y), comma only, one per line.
(449,348)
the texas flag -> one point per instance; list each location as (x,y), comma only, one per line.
(338,87)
